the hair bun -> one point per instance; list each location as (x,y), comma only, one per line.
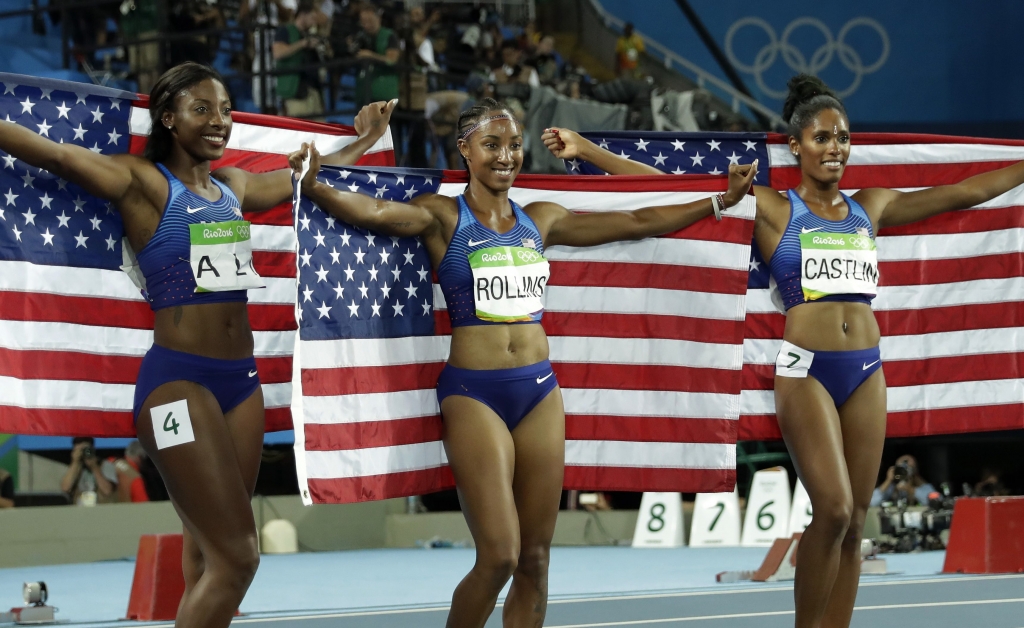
(802,88)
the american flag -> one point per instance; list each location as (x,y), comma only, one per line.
(73,328)
(949,301)
(646,341)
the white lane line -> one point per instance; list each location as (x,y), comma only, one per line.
(673,620)
(752,589)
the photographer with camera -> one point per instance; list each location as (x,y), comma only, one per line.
(379,46)
(297,45)
(903,483)
(89,480)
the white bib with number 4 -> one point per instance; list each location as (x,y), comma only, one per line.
(171,424)
(508,283)
(221,256)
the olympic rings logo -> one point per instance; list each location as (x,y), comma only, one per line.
(528,256)
(859,242)
(795,59)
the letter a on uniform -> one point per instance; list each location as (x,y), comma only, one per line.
(208,267)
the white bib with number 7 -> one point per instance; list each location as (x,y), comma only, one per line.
(221,256)
(508,283)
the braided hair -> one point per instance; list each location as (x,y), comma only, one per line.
(484,110)
(808,96)
(161,100)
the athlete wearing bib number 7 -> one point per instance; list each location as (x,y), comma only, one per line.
(830,395)
(198,402)
(504,423)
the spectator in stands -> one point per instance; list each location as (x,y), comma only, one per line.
(627,52)
(194,15)
(548,62)
(89,481)
(378,80)
(991,484)
(141,22)
(903,481)
(263,17)
(130,485)
(6,489)
(512,69)
(295,47)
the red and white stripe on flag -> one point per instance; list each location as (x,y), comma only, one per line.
(950,300)
(646,340)
(80,351)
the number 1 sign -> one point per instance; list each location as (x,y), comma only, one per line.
(716,520)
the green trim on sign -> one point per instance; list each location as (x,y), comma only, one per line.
(219,232)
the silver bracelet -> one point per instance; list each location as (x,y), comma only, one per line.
(716,205)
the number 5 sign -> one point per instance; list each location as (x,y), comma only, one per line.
(660,521)
(716,520)
(767,515)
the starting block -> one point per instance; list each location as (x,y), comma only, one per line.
(780,563)
(158,583)
(986,536)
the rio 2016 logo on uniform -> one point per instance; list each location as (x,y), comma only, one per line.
(528,256)
(835,46)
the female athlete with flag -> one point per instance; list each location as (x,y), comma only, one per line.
(830,395)
(198,404)
(504,422)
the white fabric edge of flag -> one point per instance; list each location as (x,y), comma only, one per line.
(908,154)
(916,347)
(976,394)
(257,139)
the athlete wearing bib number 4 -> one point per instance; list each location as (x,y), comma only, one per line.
(829,387)
(198,402)
(504,423)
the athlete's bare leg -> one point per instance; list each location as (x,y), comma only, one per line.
(811,428)
(863,422)
(482,456)
(246,424)
(209,492)
(540,469)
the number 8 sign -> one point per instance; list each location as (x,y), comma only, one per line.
(660,521)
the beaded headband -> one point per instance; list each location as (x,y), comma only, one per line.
(502,116)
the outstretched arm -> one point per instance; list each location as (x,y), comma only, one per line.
(567,144)
(104,176)
(573,229)
(260,192)
(388,217)
(901,208)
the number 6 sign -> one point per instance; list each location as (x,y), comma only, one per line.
(767,515)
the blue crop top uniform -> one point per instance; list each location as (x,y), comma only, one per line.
(826,260)
(200,253)
(491,278)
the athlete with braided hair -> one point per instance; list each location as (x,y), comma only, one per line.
(504,422)
(198,403)
(829,388)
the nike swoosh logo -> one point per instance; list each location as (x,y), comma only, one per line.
(806,230)
(252,373)
(867,366)
(471,243)
(540,380)
(192,211)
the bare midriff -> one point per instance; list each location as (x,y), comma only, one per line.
(832,326)
(490,347)
(213,330)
